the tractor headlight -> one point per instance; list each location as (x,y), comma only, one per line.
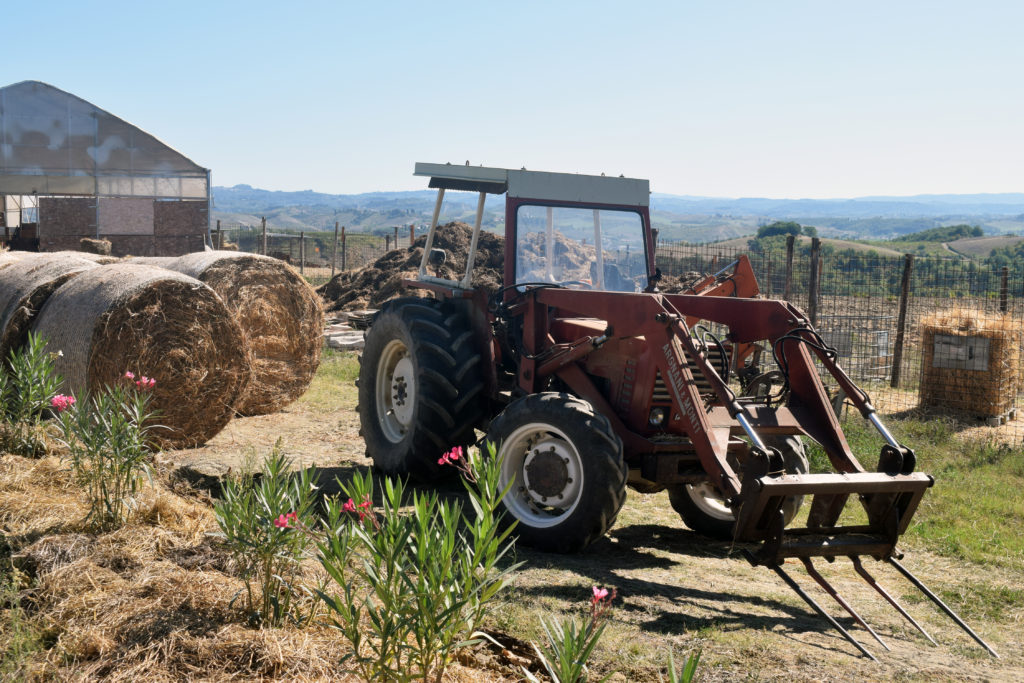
(657,417)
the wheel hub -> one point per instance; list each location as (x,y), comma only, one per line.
(549,473)
(395,391)
(546,473)
(402,391)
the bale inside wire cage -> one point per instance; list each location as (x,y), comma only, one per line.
(970,362)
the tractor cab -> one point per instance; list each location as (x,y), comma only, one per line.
(564,229)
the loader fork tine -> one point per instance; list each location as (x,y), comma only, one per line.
(817,608)
(838,598)
(950,613)
(885,594)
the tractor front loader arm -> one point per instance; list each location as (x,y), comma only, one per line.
(889,496)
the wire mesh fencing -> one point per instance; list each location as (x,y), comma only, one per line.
(926,335)
(318,254)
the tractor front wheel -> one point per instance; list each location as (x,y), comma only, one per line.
(565,466)
(704,509)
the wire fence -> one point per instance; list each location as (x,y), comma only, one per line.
(318,253)
(920,334)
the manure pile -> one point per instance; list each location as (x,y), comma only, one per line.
(125,317)
(371,286)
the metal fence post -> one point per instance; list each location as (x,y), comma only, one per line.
(901,321)
(1004,290)
(263,221)
(812,286)
(334,252)
(787,292)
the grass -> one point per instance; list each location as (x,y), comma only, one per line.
(975,511)
(20,640)
(333,385)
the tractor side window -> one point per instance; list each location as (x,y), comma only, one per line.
(588,248)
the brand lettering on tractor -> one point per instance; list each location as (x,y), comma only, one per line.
(675,378)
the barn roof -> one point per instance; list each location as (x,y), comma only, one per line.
(53,142)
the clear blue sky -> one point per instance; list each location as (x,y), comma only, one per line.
(769,99)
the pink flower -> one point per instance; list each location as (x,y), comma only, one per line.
(285,521)
(128,374)
(451,456)
(599,594)
(350,506)
(145,383)
(62,402)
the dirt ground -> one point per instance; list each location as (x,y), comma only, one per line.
(680,591)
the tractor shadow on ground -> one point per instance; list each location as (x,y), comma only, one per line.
(691,604)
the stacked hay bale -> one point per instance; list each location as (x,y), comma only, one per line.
(970,362)
(25,285)
(155,322)
(280,315)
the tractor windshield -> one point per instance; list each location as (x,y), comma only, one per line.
(590,248)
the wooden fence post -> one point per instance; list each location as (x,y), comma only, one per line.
(901,321)
(263,221)
(412,234)
(396,237)
(387,242)
(812,286)
(344,251)
(334,252)
(220,236)
(1004,290)
(302,253)
(787,292)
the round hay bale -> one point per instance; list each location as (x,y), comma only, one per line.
(154,322)
(281,318)
(95,258)
(158,261)
(12,256)
(25,285)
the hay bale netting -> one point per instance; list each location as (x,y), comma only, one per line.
(25,285)
(281,317)
(155,322)
(970,361)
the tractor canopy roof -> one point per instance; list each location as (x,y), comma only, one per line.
(539,185)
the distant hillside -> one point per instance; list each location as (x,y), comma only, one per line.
(694,219)
(981,247)
(838,245)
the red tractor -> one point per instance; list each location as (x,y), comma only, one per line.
(587,380)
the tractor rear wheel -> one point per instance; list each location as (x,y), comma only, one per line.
(565,466)
(420,386)
(704,509)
